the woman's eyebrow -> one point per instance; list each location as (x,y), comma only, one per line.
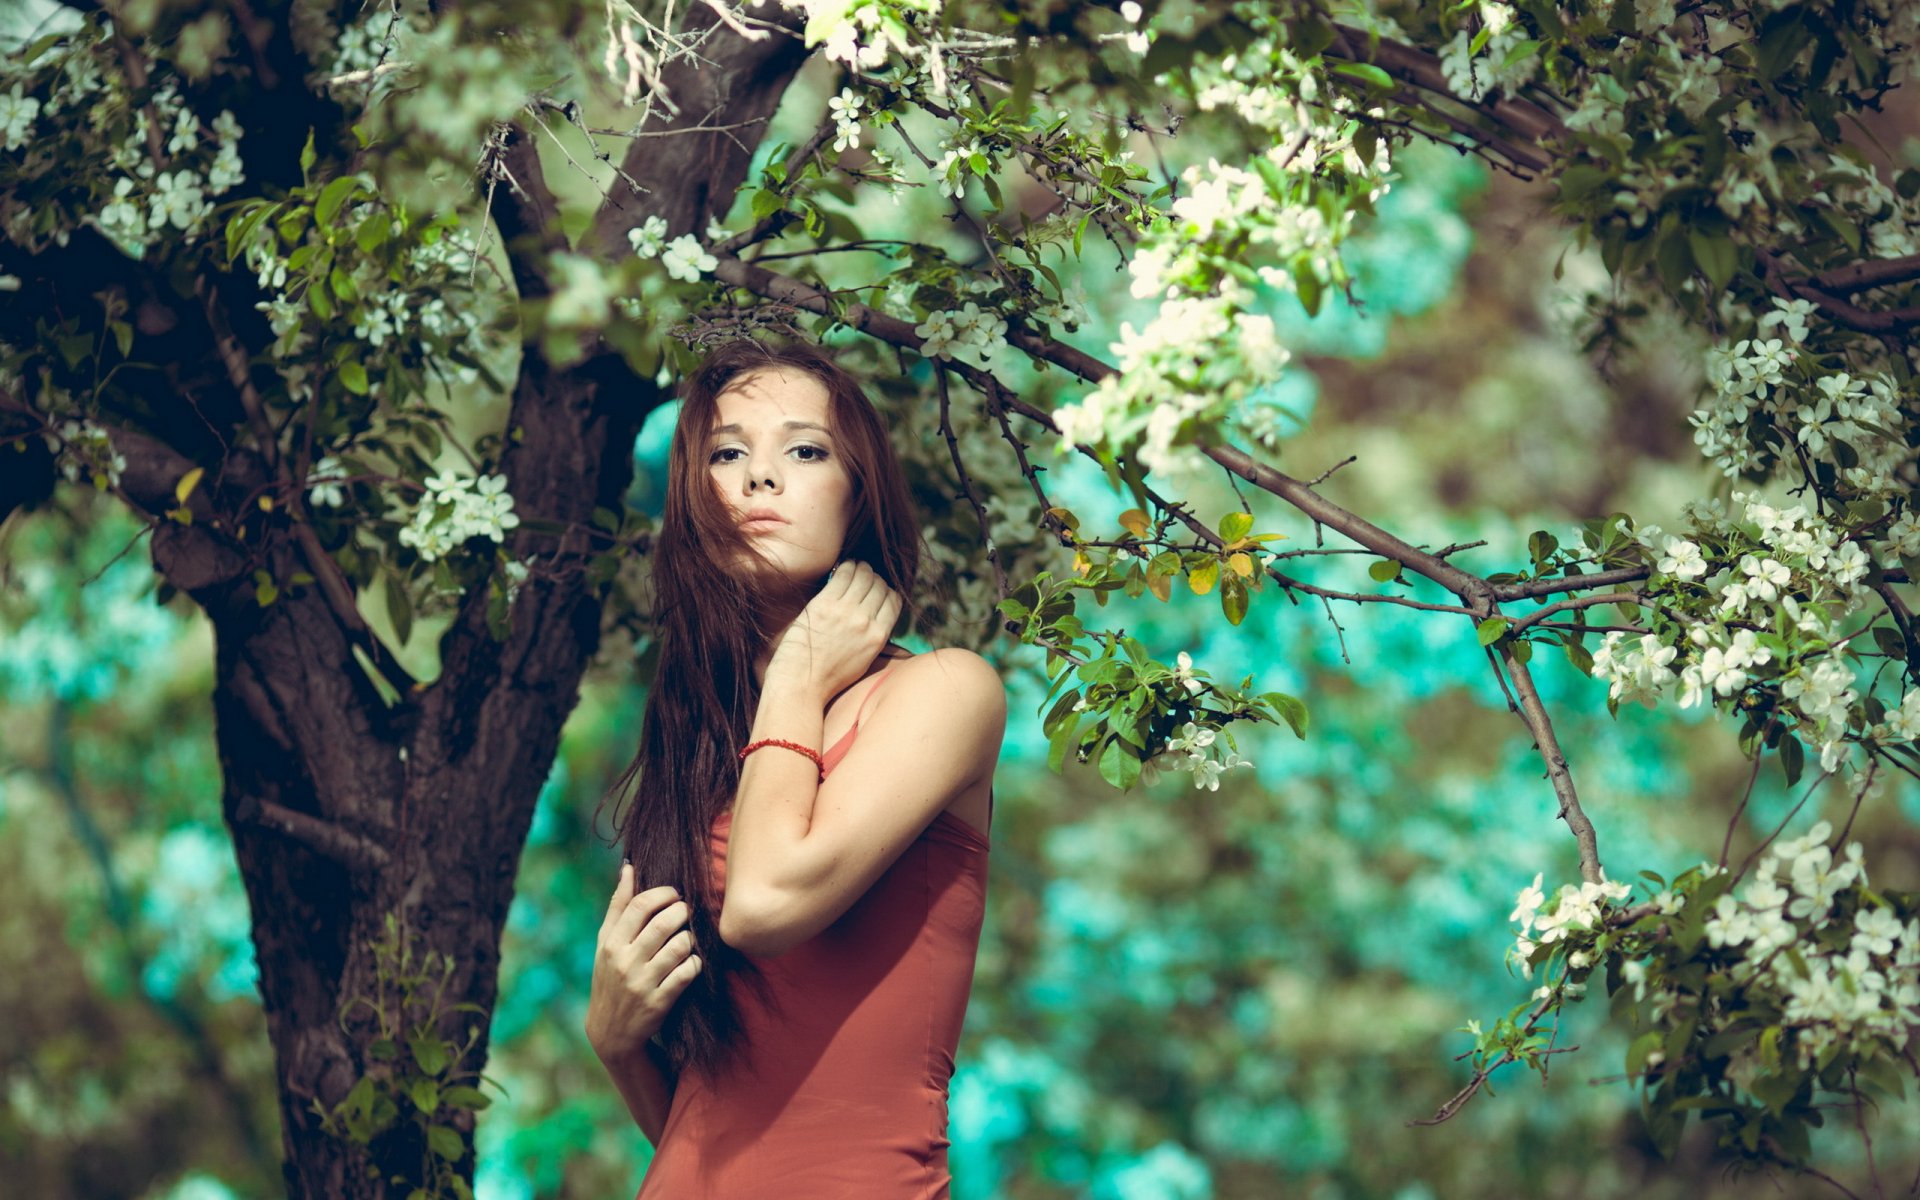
(735,428)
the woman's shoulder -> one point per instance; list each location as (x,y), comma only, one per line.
(952,665)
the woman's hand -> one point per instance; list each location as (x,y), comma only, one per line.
(640,967)
(836,637)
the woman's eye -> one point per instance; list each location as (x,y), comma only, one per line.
(815,453)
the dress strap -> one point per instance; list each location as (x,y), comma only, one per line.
(838,750)
(865,700)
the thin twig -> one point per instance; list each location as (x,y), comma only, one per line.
(966,486)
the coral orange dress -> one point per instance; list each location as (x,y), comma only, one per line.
(842,1092)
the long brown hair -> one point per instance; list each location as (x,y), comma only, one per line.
(710,623)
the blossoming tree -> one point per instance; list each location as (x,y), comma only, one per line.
(250,250)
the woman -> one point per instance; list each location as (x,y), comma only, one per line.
(845,887)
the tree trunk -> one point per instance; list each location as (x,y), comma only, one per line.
(347,814)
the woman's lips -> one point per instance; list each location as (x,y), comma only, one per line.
(762,525)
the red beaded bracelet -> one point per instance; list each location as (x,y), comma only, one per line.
(809,752)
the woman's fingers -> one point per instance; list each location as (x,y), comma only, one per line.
(627,923)
(661,929)
(622,892)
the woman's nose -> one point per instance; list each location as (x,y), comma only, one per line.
(761,474)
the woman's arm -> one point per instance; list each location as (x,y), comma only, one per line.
(646,1084)
(802,851)
(640,968)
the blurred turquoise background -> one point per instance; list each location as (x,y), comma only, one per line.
(1180,994)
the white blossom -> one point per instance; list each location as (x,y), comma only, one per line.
(1683,558)
(1183,673)
(17,113)
(177,200)
(687,260)
(648,237)
(321,489)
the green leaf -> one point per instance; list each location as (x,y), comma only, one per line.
(1063,741)
(1235,525)
(425,1094)
(1793,758)
(332,197)
(307,156)
(1674,259)
(373,232)
(445,1142)
(1580,181)
(1716,256)
(1580,658)
(354,377)
(471,1099)
(1233,598)
(1367,72)
(1640,1048)
(1541,545)
(1118,765)
(1291,709)
(431,1054)
(1385,570)
(1489,630)
(1520,51)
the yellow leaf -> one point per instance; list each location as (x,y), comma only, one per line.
(1160,585)
(1242,566)
(1081,563)
(1202,578)
(266,504)
(1135,521)
(185,487)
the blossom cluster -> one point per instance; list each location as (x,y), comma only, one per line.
(1187,751)
(1778,579)
(1802,936)
(458,507)
(1579,908)
(158,164)
(684,257)
(83,447)
(1197,358)
(1775,380)
(409,310)
(863,34)
(1477,63)
(1207,348)
(969,333)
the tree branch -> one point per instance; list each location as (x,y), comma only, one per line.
(1478,595)
(1534,712)
(1408,64)
(524,211)
(1859,277)
(360,855)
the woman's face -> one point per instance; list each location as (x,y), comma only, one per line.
(772,449)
